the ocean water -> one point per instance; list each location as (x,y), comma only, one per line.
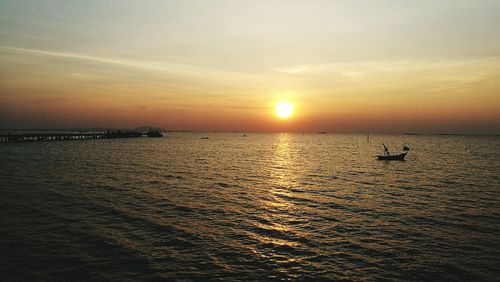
(263,207)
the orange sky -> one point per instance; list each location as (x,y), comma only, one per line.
(347,66)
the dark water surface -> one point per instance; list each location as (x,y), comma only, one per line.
(264,207)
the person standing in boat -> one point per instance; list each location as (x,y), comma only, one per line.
(386,150)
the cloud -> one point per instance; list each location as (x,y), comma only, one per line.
(361,67)
(156,66)
(444,77)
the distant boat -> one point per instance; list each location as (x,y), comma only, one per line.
(388,157)
(400,157)
(244,135)
(204,138)
(406,147)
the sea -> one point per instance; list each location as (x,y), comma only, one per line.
(254,207)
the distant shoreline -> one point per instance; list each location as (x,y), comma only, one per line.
(99,129)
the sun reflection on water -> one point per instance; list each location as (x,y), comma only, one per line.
(277,233)
(282,167)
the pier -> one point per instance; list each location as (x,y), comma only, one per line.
(37,137)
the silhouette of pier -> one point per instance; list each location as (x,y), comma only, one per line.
(37,137)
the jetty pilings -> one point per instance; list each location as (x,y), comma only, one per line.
(37,137)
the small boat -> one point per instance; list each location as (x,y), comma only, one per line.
(400,157)
(204,138)
(406,147)
(388,157)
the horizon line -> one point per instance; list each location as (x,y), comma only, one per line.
(82,129)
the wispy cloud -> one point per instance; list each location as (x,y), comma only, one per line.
(438,77)
(156,66)
(357,68)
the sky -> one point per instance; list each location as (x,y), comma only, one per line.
(346,66)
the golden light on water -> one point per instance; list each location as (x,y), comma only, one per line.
(284,109)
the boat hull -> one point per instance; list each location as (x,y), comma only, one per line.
(400,157)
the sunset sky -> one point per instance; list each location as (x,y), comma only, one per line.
(346,66)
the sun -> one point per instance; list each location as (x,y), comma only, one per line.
(284,109)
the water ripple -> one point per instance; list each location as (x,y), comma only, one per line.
(266,207)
